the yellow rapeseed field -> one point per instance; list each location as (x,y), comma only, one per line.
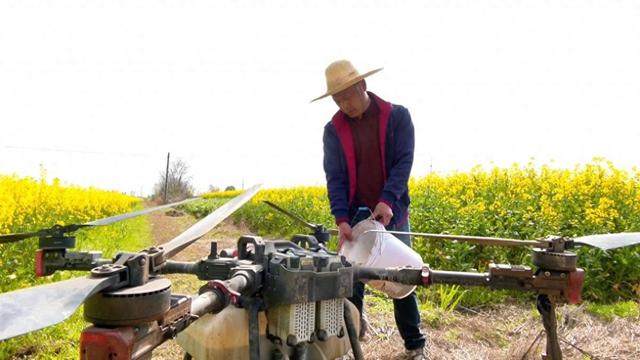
(521,202)
(27,204)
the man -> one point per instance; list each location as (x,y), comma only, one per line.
(368,154)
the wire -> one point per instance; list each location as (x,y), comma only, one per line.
(47,149)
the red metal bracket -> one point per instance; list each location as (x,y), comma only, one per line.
(40,265)
(101,343)
(574,291)
(425,275)
(222,286)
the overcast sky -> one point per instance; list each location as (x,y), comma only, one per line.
(97,92)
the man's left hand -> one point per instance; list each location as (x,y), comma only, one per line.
(383,213)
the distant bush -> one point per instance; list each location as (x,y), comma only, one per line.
(202,208)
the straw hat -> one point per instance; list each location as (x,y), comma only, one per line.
(340,75)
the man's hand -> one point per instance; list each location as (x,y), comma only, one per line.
(344,230)
(382,213)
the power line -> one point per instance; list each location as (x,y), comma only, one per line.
(77,151)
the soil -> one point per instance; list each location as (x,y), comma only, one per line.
(504,331)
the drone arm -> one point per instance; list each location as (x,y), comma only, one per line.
(424,276)
(222,293)
(48,261)
(293,216)
(180,267)
(560,285)
(405,276)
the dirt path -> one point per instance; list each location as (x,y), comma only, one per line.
(505,331)
(165,228)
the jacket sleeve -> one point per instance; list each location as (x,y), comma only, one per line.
(403,142)
(336,174)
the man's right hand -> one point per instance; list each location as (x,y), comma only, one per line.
(344,230)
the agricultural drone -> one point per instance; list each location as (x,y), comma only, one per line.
(274,299)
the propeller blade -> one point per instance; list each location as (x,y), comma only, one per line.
(609,241)
(9,238)
(205,225)
(291,215)
(34,308)
(471,239)
(113,219)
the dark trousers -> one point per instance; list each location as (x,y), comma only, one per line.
(405,310)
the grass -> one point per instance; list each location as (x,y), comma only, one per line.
(377,302)
(61,341)
(449,296)
(452,336)
(494,338)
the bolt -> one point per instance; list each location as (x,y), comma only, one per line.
(320,261)
(547,274)
(322,335)
(142,261)
(563,275)
(104,268)
(292,340)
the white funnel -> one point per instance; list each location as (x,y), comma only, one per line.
(381,250)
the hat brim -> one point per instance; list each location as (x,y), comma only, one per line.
(347,84)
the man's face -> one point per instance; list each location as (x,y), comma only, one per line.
(352,100)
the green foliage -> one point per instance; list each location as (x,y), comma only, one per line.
(476,296)
(449,296)
(625,309)
(435,317)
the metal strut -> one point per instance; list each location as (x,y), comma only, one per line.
(351,331)
(253,307)
(547,310)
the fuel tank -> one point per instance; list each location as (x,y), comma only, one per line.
(225,335)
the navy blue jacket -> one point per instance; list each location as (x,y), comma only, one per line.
(396,147)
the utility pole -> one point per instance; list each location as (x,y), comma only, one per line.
(166,180)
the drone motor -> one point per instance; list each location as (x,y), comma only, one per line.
(130,306)
(555,261)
